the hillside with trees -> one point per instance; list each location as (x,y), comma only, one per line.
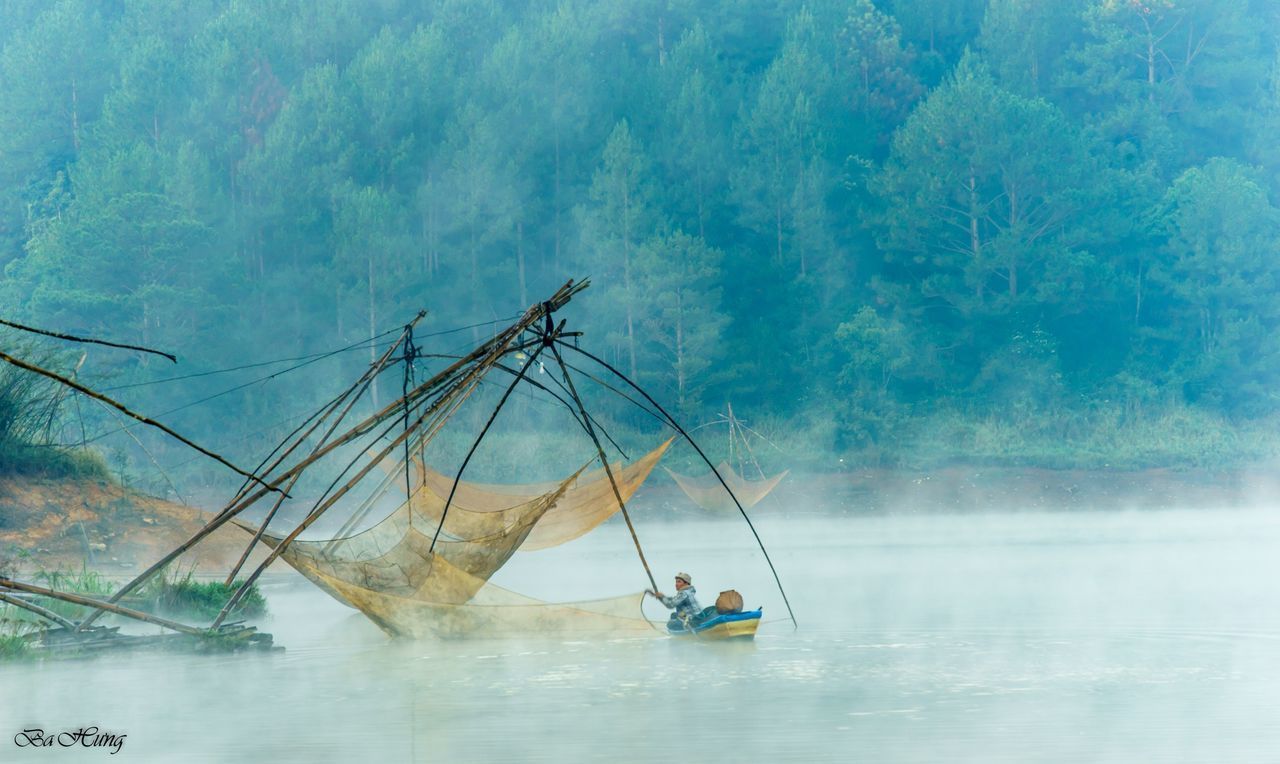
(898,232)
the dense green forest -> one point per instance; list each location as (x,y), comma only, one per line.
(1017,231)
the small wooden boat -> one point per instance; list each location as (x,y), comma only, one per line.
(715,625)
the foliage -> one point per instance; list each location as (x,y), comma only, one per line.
(992,219)
(13,646)
(181,596)
(29,411)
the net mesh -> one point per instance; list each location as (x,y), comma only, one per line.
(588,502)
(389,573)
(706,491)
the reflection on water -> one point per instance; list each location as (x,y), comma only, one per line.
(1115,637)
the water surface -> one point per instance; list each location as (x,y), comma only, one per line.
(1056,637)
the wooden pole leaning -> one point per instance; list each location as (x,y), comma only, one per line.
(364,382)
(480,360)
(45,613)
(247,500)
(120,406)
(319,510)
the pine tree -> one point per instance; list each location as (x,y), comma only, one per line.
(619,216)
(1215,287)
(984,194)
(677,279)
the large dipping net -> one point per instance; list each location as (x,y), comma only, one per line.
(588,501)
(391,574)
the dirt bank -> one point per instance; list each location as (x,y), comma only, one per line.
(65,524)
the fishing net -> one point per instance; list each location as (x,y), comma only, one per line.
(492,612)
(707,492)
(587,503)
(389,573)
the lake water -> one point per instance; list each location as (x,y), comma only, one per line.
(1049,637)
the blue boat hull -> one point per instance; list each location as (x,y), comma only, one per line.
(719,626)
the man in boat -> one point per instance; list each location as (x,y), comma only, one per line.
(684,601)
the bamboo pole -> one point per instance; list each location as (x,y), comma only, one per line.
(40,611)
(367,378)
(459,388)
(318,511)
(483,357)
(145,420)
(56,335)
(79,599)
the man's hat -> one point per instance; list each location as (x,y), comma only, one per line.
(685,577)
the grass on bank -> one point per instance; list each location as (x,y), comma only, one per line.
(180,595)
(13,640)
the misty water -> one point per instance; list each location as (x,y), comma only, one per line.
(1015,636)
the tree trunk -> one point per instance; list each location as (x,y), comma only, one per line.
(1137,298)
(777,226)
(662,44)
(626,276)
(524,300)
(975,241)
(555,201)
(702,206)
(373,331)
(75,117)
(680,366)
(1013,258)
(1151,69)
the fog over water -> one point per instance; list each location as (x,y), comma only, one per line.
(1084,636)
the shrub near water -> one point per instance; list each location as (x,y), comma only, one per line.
(184,596)
(12,646)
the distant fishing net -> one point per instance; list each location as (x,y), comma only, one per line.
(706,491)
